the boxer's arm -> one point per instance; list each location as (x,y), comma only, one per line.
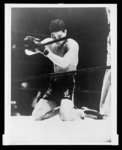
(67,58)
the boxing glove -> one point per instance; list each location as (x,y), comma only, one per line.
(34,45)
(31,43)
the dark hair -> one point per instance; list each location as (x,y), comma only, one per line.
(57,25)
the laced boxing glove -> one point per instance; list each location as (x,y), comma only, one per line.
(31,43)
(34,45)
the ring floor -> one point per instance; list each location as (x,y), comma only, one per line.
(24,130)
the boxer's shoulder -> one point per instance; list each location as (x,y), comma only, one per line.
(71,42)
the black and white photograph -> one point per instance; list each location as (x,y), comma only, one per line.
(60,74)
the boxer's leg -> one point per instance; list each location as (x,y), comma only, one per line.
(68,112)
(42,108)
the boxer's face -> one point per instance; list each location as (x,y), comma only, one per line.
(58,35)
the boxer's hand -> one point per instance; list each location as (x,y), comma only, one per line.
(34,46)
(29,52)
(45,52)
(31,43)
(28,41)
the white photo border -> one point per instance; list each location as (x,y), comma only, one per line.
(7,93)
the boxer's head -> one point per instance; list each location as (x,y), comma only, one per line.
(57,29)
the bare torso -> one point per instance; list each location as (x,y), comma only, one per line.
(61,51)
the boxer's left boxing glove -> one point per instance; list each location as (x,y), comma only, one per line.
(31,43)
(34,45)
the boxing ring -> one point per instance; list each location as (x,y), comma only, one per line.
(25,131)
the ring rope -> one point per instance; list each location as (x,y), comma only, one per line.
(65,73)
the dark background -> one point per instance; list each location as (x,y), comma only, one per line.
(92,28)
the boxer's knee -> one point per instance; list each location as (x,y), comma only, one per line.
(38,114)
(66,110)
(42,108)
